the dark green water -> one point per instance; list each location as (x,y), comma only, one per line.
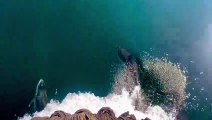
(72,45)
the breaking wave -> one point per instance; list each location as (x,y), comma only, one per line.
(119,103)
(126,96)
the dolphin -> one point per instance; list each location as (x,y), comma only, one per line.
(40,99)
(131,63)
(151,84)
(133,66)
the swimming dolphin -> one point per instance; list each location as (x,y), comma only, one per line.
(40,98)
(139,74)
(131,64)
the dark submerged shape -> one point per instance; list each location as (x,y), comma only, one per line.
(151,85)
(125,56)
(40,99)
(128,58)
(131,63)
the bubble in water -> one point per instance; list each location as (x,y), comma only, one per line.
(202,88)
(191,61)
(188,95)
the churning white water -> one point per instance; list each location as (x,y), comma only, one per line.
(119,103)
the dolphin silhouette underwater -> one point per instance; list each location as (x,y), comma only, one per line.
(150,83)
(40,99)
(132,80)
(134,65)
(131,63)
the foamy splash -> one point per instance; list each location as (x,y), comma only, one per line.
(119,103)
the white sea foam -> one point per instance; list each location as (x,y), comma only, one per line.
(119,103)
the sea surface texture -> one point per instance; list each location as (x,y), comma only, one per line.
(72,45)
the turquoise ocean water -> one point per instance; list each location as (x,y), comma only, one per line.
(72,45)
